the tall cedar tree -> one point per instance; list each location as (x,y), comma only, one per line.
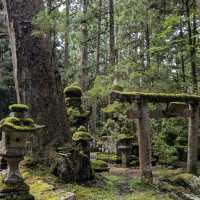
(37,80)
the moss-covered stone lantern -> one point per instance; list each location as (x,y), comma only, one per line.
(124,147)
(82,139)
(78,116)
(14,130)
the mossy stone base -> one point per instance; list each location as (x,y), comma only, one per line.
(15,192)
(16,196)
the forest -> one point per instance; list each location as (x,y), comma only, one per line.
(99,99)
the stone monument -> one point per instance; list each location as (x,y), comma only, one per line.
(124,147)
(14,130)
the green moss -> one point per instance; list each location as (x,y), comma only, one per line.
(155,97)
(124,137)
(115,107)
(45,186)
(8,187)
(19,124)
(164,172)
(18,108)
(99,166)
(81,135)
(82,128)
(75,112)
(118,88)
(124,130)
(108,157)
(182,176)
(73,91)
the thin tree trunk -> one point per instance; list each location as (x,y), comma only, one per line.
(112,32)
(84,47)
(67,33)
(182,61)
(98,49)
(37,80)
(147,39)
(192,49)
(198,7)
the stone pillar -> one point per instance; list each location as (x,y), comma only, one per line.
(144,140)
(193,130)
(125,155)
(13,175)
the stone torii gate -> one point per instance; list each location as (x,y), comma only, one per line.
(177,105)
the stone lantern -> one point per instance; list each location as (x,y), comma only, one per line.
(77,115)
(82,139)
(124,148)
(14,130)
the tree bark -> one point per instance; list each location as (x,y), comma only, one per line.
(98,48)
(67,4)
(198,7)
(144,138)
(193,131)
(112,32)
(147,40)
(37,80)
(182,56)
(84,47)
(192,43)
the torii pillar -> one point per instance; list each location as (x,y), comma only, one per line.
(193,131)
(144,140)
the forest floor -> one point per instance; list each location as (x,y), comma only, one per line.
(117,184)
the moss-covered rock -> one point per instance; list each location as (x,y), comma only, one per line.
(72,165)
(99,166)
(18,108)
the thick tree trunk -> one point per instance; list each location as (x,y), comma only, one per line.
(144,138)
(193,132)
(112,32)
(84,47)
(37,80)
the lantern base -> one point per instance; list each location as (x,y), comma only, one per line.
(15,191)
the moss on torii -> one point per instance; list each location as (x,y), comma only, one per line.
(154,97)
